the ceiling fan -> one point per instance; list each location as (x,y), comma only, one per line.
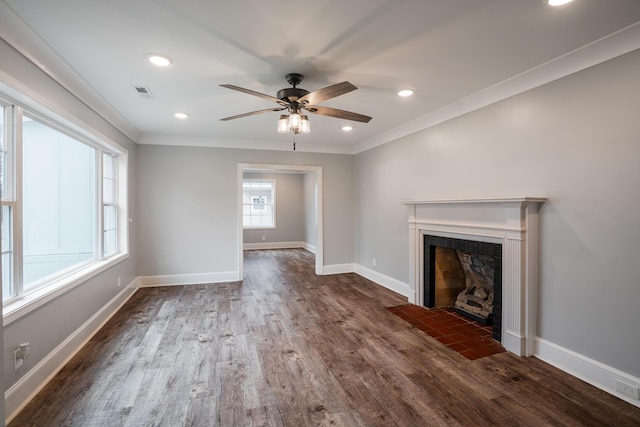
(297,101)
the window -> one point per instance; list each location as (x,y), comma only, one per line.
(258,203)
(60,205)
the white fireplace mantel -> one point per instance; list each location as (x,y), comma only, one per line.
(509,221)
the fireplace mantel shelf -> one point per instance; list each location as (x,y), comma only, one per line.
(517,199)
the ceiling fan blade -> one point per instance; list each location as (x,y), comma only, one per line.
(258,94)
(328,92)
(268,110)
(340,114)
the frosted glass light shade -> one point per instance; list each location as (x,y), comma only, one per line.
(294,121)
(283,124)
(305,126)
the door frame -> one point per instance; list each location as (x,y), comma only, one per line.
(274,168)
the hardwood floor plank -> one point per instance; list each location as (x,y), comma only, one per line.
(288,348)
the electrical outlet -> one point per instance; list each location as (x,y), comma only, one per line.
(628,389)
(119,282)
(373,262)
(263,237)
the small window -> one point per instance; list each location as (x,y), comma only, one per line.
(258,203)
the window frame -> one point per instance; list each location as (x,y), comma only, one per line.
(24,302)
(252,205)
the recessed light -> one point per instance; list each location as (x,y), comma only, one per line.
(405,92)
(181,115)
(347,128)
(558,2)
(159,60)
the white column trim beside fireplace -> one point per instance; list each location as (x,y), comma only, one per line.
(509,221)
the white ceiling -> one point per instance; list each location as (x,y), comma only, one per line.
(458,55)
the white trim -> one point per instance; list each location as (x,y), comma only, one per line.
(317,170)
(611,46)
(188,279)
(385,281)
(245,144)
(310,248)
(272,245)
(338,269)
(21,393)
(510,221)
(21,306)
(591,371)
(17,92)
(516,199)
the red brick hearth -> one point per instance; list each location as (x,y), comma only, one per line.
(467,337)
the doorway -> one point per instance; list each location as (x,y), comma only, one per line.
(316,173)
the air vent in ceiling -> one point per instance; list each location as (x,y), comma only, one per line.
(144,92)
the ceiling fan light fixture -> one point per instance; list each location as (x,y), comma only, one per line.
(296,101)
(347,128)
(159,60)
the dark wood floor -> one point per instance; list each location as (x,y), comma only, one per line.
(288,348)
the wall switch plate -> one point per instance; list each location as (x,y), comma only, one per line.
(17,360)
(628,389)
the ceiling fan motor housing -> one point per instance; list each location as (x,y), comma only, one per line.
(291,94)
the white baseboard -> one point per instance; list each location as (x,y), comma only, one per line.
(188,279)
(338,269)
(273,245)
(310,248)
(21,393)
(386,281)
(588,370)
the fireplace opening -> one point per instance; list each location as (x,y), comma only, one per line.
(465,275)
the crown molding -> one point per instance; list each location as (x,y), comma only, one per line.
(244,144)
(611,46)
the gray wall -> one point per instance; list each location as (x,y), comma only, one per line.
(47,327)
(575,141)
(188,206)
(290,210)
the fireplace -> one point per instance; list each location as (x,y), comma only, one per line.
(466,275)
(511,223)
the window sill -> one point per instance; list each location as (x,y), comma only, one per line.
(21,306)
(260,227)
